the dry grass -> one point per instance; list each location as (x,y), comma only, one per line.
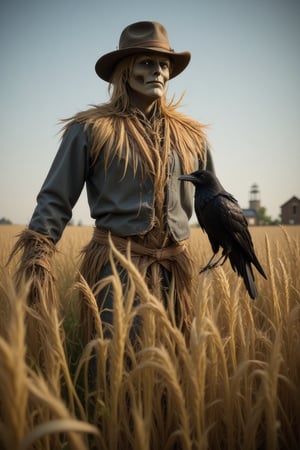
(234,384)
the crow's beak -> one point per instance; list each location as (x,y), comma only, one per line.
(190,177)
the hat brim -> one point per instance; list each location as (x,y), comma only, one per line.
(106,64)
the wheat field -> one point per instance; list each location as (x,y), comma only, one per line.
(233,384)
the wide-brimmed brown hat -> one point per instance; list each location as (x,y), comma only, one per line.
(142,37)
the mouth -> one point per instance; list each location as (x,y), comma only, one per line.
(156,83)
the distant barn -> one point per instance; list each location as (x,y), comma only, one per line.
(290,212)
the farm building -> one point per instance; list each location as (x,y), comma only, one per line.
(290,212)
(251,216)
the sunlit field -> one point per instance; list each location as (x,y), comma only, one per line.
(233,383)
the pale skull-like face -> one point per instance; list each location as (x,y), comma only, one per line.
(149,75)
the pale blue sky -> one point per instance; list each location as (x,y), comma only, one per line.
(244,81)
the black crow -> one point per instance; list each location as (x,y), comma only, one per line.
(221,217)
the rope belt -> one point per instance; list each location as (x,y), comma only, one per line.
(162,255)
(175,258)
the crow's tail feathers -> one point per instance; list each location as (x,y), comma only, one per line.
(244,270)
(248,278)
(258,266)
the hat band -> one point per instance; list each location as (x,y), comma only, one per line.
(154,43)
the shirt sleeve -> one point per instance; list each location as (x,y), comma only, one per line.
(63,184)
(209,160)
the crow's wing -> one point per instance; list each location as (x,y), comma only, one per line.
(236,226)
(216,218)
(234,221)
(221,213)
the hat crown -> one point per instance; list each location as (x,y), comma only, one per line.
(145,34)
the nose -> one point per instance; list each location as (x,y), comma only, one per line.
(157,68)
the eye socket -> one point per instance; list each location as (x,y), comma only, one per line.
(165,65)
(146,61)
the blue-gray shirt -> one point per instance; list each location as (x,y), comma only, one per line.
(122,204)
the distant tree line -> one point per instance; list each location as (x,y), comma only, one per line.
(5,221)
(264,219)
